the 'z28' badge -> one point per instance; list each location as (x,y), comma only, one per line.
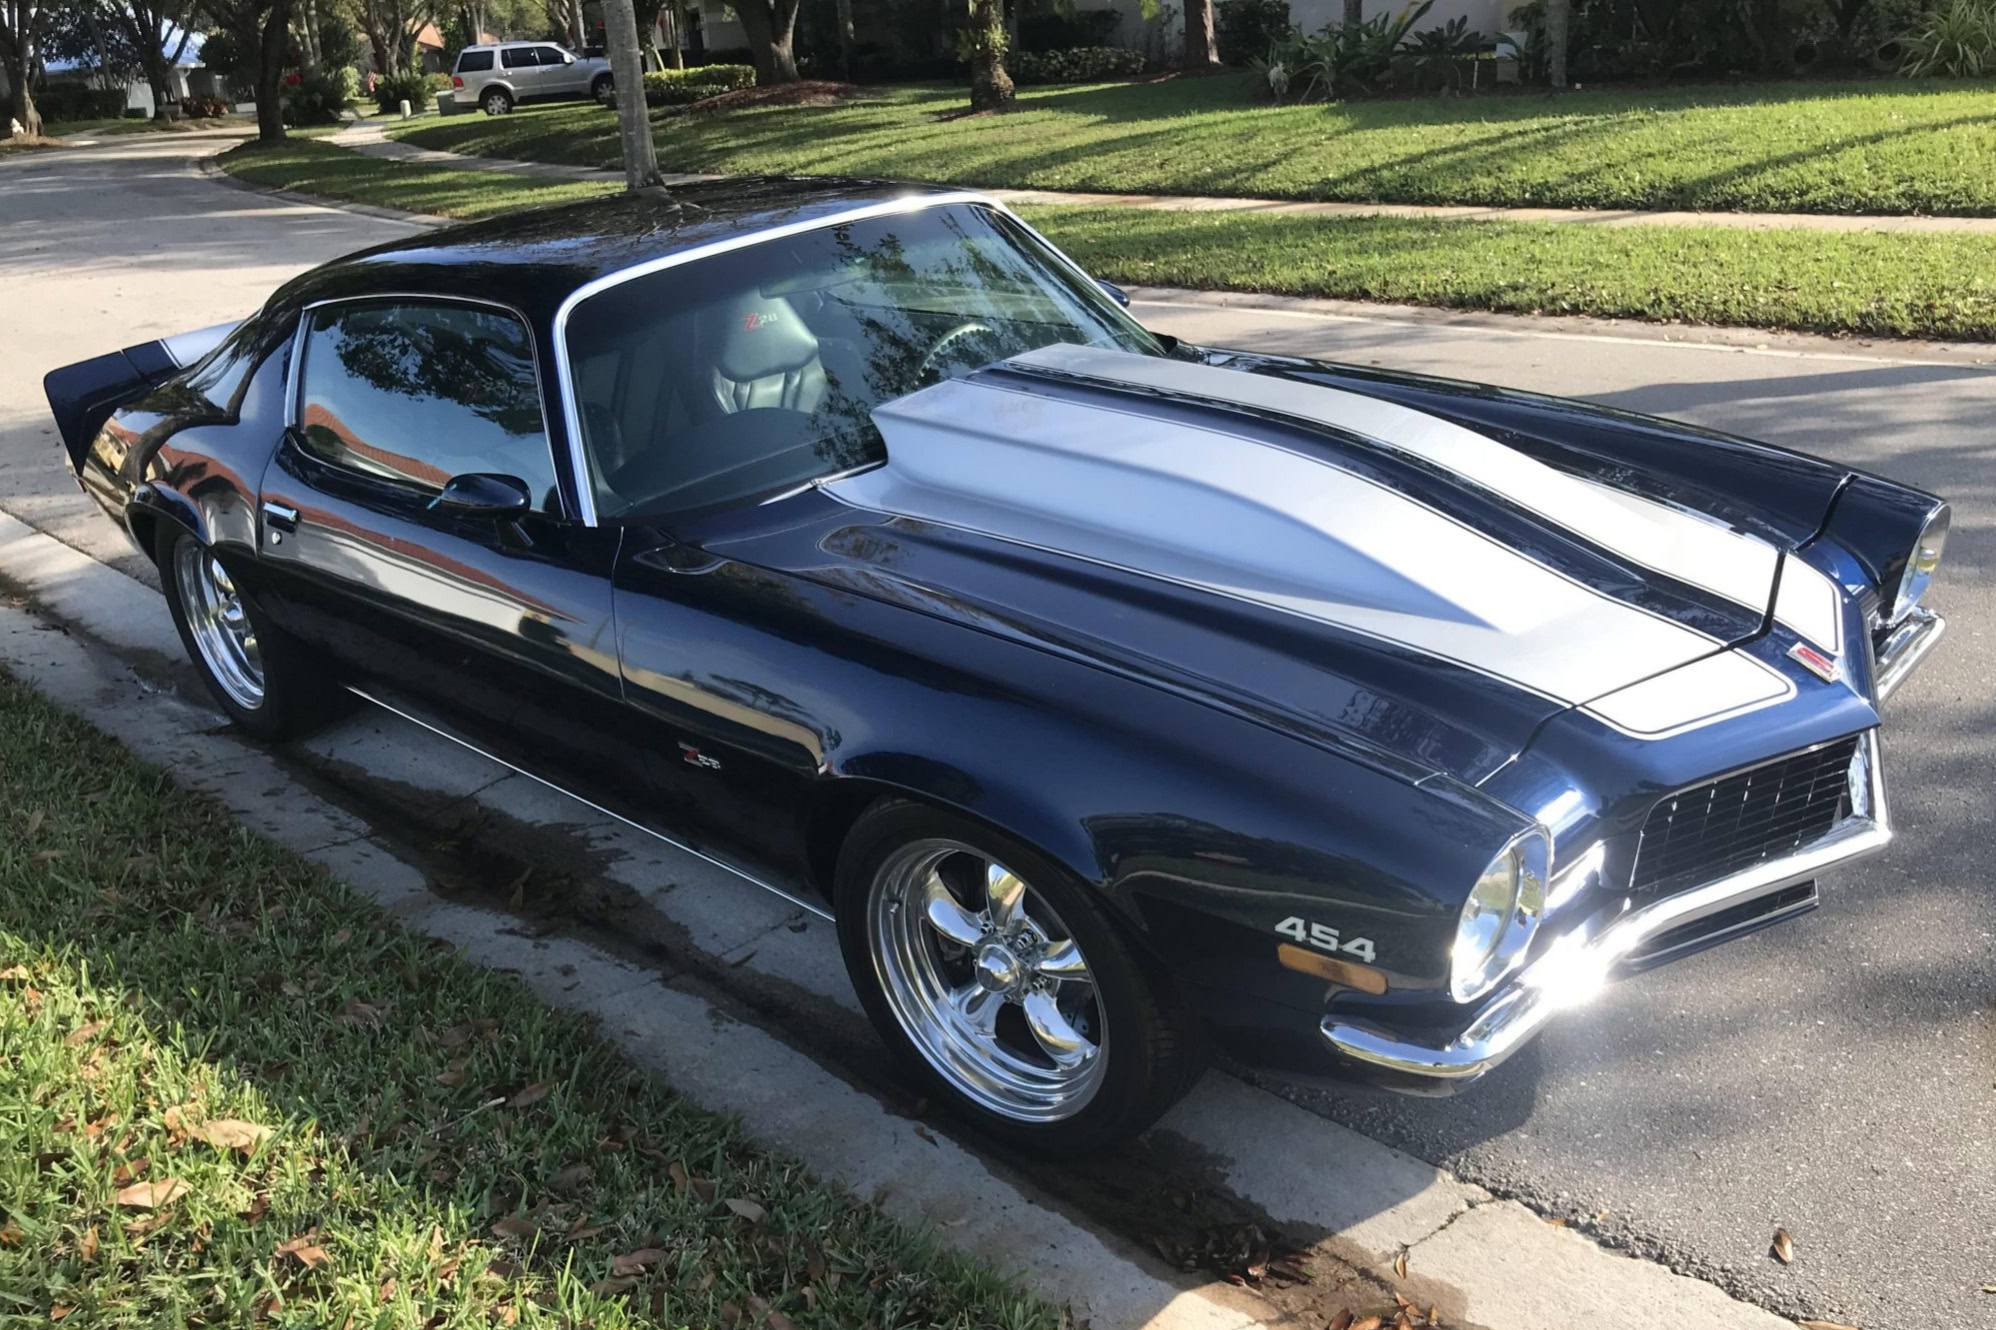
(1325,938)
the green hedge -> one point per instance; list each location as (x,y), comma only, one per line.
(1078,64)
(77,101)
(676,87)
(415,87)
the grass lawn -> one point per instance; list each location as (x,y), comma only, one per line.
(235,1094)
(319,168)
(1883,146)
(1891,285)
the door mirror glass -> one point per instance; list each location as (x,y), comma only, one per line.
(480,494)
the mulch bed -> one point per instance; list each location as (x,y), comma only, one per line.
(805,92)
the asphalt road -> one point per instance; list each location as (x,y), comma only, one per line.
(1836,1076)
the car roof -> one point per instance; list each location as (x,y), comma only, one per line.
(533,260)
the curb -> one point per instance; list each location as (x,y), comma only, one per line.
(1389,1222)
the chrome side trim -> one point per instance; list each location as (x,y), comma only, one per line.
(1907,646)
(807,906)
(565,373)
(1578,965)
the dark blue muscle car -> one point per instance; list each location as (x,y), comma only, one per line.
(1114,695)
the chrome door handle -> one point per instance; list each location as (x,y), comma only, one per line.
(281,516)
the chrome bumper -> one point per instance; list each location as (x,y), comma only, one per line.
(1579,964)
(1906,648)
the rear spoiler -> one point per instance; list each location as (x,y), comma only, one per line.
(83,396)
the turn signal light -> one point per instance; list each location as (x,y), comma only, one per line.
(1349,973)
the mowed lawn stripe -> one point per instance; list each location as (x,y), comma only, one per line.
(233,1093)
(1877,146)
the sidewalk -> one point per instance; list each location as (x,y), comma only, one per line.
(372,139)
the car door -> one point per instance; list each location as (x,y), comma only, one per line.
(560,74)
(520,67)
(501,624)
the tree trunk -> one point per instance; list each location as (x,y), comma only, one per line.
(668,18)
(1202,50)
(1354,12)
(771,26)
(158,77)
(620,34)
(1556,17)
(21,101)
(270,74)
(845,39)
(990,85)
(578,26)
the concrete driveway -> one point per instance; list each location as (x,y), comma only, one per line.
(1836,1077)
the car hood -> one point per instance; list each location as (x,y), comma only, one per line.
(1332,559)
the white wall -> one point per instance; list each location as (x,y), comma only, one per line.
(1485,16)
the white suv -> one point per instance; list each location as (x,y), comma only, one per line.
(501,76)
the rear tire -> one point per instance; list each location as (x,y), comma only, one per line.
(496,101)
(262,678)
(1024,1007)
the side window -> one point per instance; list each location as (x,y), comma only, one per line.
(417,392)
(473,62)
(550,55)
(513,57)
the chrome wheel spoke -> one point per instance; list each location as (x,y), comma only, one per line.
(1063,960)
(1005,898)
(1054,1033)
(947,915)
(977,1009)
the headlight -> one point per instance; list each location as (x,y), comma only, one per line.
(1920,564)
(1500,916)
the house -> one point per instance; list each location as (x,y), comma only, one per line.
(188,78)
(1489,17)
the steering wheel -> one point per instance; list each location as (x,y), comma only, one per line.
(968,328)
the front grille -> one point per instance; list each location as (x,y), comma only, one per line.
(1709,831)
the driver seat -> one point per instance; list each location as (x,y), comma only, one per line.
(760,354)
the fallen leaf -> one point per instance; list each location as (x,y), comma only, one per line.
(748,1210)
(50,856)
(572,1176)
(306,1250)
(927,1135)
(386,1293)
(1557,1223)
(530,1096)
(57,1312)
(152,1195)
(632,1262)
(1400,1264)
(96,797)
(357,1012)
(501,1268)
(1824,1325)
(1369,1323)
(1342,1321)
(35,820)
(14,974)
(1784,1247)
(677,1172)
(610,1288)
(453,1075)
(515,1228)
(82,1033)
(130,1171)
(11,1235)
(86,1246)
(232,1134)
(705,1189)
(139,861)
(815,1267)
(586,1231)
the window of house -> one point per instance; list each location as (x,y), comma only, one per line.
(413,393)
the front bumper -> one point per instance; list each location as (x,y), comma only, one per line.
(1576,965)
(1904,648)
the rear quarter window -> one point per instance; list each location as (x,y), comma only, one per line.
(471,62)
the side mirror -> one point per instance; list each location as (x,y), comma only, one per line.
(568,57)
(1114,292)
(479,494)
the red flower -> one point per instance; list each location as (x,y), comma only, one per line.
(293,79)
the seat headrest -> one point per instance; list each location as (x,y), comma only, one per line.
(756,337)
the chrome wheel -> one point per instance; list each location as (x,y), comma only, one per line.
(987,981)
(219,624)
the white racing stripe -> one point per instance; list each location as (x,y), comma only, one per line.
(1209,509)
(1682,545)
(1715,688)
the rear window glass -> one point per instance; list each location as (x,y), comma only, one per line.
(471,61)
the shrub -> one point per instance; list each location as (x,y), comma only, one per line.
(204,108)
(391,90)
(1055,31)
(1958,40)
(316,99)
(1080,64)
(677,87)
(1249,29)
(79,101)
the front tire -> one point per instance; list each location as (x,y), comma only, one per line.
(261,677)
(997,974)
(604,90)
(496,101)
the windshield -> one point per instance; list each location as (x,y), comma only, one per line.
(756,370)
